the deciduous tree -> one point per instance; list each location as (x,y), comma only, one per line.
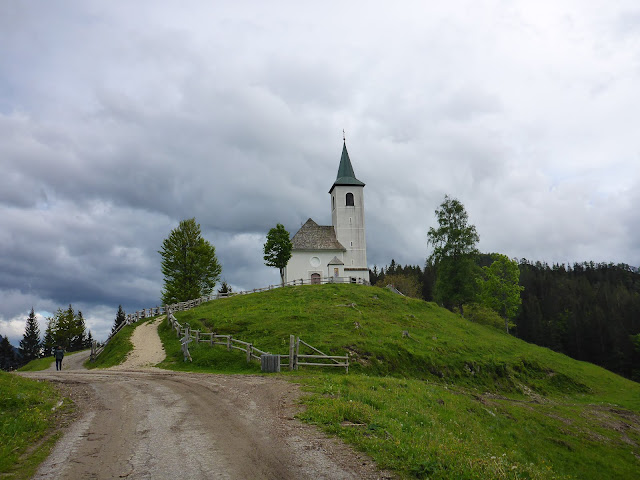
(277,249)
(454,248)
(189,264)
(501,288)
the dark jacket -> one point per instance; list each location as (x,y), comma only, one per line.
(58,353)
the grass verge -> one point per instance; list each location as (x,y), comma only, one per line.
(37,365)
(28,411)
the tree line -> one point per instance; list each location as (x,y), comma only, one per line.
(66,328)
(589,311)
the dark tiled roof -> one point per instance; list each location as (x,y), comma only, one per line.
(336,261)
(312,236)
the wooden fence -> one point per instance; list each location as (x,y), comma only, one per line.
(293,359)
(97,349)
(179,307)
(182,306)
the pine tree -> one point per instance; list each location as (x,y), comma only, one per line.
(189,264)
(8,359)
(30,344)
(121,318)
(66,320)
(49,341)
(89,340)
(78,333)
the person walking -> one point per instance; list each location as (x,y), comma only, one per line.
(59,355)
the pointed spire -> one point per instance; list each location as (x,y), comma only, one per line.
(346,176)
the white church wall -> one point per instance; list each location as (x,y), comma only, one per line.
(304,263)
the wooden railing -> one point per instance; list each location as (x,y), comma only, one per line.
(182,306)
(97,349)
(320,359)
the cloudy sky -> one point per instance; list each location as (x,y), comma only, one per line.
(118,119)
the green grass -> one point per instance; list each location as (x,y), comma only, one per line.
(426,430)
(453,399)
(116,351)
(37,365)
(205,358)
(28,411)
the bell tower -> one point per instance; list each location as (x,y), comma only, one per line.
(347,218)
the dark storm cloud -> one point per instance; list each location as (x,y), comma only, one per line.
(119,120)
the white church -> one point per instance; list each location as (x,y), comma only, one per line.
(337,252)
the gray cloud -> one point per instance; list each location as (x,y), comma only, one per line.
(118,121)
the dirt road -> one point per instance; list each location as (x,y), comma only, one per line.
(153,424)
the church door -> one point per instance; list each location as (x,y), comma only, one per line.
(315,279)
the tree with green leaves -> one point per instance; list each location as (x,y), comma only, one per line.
(30,345)
(189,264)
(277,249)
(454,249)
(121,318)
(501,288)
(66,329)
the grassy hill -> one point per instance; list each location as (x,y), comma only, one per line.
(446,399)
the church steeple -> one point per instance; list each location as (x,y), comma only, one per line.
(347,218)
(345,171)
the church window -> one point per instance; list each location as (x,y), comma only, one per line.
(349,199)
(333,202)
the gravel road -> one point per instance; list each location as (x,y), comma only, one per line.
(140,422)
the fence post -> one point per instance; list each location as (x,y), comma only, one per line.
(249,353)
(297,351)
(229,342)
(292,340)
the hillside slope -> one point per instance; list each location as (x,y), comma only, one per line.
(429,394)
(437,345)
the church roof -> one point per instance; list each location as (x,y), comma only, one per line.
(336,261)
(345,171)
(312,236)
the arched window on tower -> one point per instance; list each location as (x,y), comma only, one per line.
(349,199)
(333,202)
